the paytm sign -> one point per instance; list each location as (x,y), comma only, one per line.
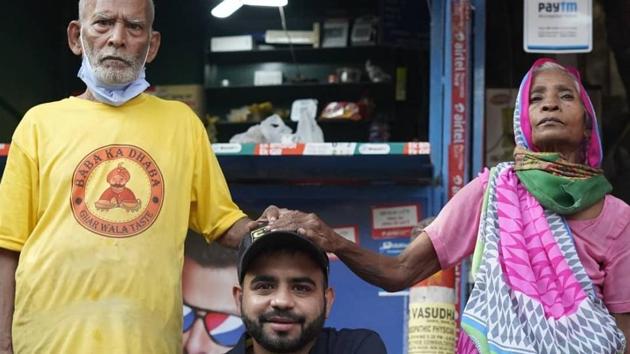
(558,26)
(555,7)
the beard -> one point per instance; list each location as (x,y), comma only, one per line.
(283,344)
(128,70)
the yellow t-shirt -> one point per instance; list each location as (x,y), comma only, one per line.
(98,199)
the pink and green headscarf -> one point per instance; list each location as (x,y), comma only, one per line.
(557,184)
(522,125)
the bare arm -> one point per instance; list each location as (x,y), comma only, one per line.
(234,234)
(8,264)
(417,262)
(623,322)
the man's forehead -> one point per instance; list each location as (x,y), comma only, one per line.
(133,9)
(266,276)
(285,267)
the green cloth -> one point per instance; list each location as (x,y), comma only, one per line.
(564,195)
(559,185)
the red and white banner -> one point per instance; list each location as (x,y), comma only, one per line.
(460,111)
(460,83)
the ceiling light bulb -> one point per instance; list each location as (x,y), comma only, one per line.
(226,8)
(275,3)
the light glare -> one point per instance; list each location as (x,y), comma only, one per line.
(226,8)
(274,3)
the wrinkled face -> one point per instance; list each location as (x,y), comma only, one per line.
(207,291)
(556,113)
(116,35)
(283,301)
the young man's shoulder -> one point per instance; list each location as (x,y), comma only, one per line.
(360,341)
(332,341)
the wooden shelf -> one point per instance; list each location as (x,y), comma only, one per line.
(307,86)
(324,92)
(326,163)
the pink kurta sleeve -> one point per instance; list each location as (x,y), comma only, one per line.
(454,231)
(616,287)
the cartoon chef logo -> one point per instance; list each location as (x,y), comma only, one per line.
(117,195)
(117,191)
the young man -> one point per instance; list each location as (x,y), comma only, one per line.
(284,299)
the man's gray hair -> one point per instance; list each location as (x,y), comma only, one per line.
(151,14)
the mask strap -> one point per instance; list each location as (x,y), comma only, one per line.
(81,41)
(148,49)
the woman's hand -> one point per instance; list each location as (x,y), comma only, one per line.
(310,226)
(270,215)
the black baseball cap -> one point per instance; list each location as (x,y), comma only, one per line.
(261,240)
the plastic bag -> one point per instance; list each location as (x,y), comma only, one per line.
(270,130)
(308,131)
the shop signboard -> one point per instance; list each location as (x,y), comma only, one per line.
(558,26)
(432,315)
(393,221)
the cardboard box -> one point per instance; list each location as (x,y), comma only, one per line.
(192,95)
(267,77)
(231,43)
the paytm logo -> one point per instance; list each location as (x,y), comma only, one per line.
(560,6)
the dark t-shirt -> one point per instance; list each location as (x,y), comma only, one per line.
(331,341)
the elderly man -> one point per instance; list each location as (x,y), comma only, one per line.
(284,299)
(96,198)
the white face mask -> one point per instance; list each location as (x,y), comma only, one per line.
(113,95)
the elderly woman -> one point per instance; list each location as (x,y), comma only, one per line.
(551,247)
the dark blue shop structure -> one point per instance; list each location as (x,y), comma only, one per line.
(343,188)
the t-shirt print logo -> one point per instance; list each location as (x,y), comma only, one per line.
(117,191)
(117,195)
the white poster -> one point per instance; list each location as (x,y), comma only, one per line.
(558,26)
(394,220)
